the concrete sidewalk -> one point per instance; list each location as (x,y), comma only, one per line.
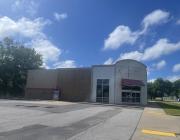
(154,118)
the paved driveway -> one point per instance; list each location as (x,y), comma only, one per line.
(43,120)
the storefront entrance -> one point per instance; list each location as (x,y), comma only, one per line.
(131,91)
(131,97)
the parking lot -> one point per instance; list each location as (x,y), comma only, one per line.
(48,120)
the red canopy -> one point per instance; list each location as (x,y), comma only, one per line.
(130,82)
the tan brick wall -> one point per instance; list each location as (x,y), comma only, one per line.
(43,94)
(42,78)
(74,83)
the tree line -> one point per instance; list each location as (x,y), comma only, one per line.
(161,88)
(15,61)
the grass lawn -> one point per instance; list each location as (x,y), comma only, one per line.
(171,108)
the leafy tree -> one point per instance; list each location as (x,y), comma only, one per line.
(161,88)
(167,86)
(176,88)
(15,61)
(151,90)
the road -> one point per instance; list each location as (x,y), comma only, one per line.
(47,120)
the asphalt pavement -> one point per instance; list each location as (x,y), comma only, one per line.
(47,120)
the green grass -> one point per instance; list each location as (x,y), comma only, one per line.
(171,108)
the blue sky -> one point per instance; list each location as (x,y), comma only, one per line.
(81,33)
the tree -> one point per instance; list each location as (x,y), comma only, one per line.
(167,86)
(161,88)
(176,88)
(15,61)
(151,90)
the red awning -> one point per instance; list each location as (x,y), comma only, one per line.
(130,82)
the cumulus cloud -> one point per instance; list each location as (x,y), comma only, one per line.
(151,80)
(176,68)
(123,35)
(161,64)
(109,61)
(136,55)
(173,78)
(32,32)
(65,64)
(160,48)
(28,6)
(178,22)
(22,27)
(49,51)
(155,17)
(59,16)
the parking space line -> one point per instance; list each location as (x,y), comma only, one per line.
(160,133)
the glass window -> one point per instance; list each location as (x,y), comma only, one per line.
(99,92)
(102,90)
(105,91)
(106,82)
(99,81)
(135,88)
(130,97)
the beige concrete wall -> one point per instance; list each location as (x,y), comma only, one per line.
(103,72)
(123,69)
(130,69)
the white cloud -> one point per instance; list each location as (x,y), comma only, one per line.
(178,22)
(44,65)
(65,64)
(59,16)
(160,65)
(155,17)
(160,48)
(176,68)
(121,35)
(151,80)
(173,78)
(49,51)
(109,61)
(22,27)
(32,32)
(135,55)
(28,6)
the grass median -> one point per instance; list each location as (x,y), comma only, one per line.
(171,108)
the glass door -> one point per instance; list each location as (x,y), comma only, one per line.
(102,91)
(131,97)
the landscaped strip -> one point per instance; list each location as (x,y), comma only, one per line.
(171,108)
